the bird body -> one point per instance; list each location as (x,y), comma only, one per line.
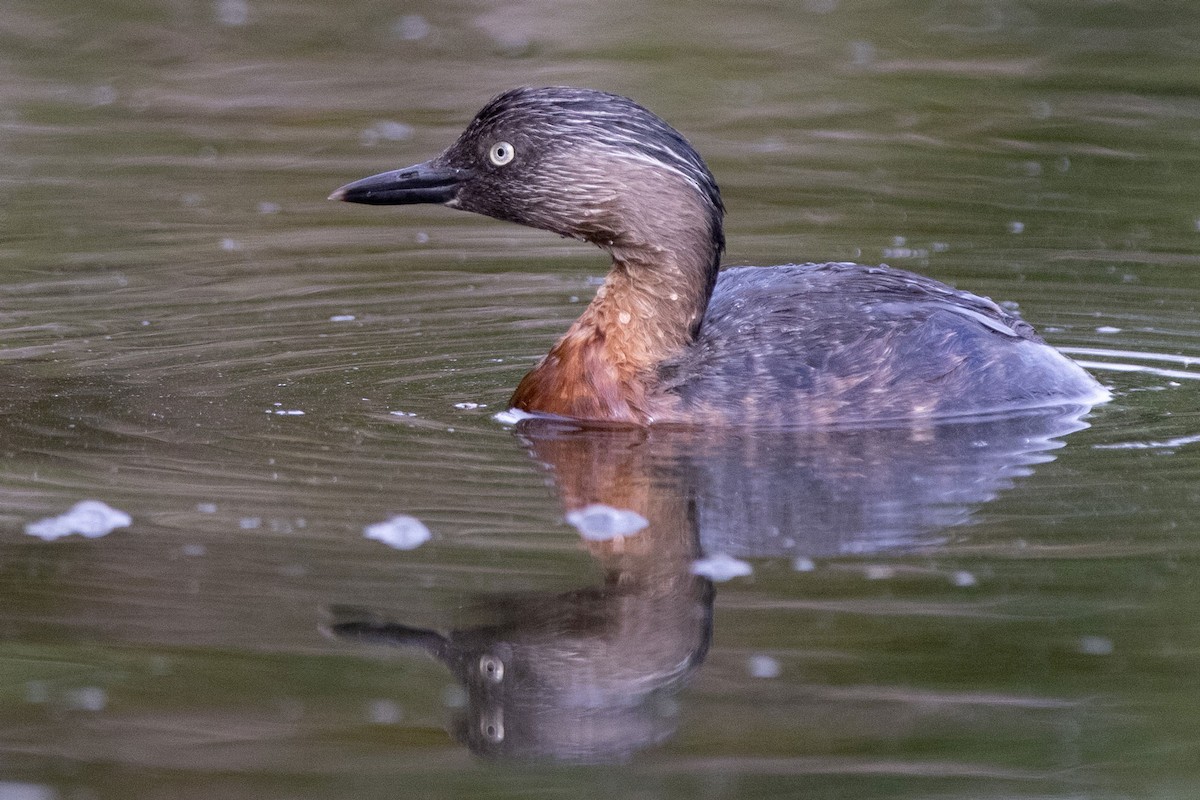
(671,339)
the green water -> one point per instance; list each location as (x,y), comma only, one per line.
(999,610)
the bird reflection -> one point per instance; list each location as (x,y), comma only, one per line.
(588,675)
(592,675)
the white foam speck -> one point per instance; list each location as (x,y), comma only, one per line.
(250,523)
(878,572)
(512,416)
(194,550)
(267,207)
(87,698)
(394,131)
(1016,227)
(206,508)
(89,518)
(230,245)
(803,564)
(905,252)
(470,406)
(403,413)
(286,412)
(385,131)
(963,578)
(600,523)
(381,712)
(1107,329)
(411,27)
(1166,444)
(721,568)
(402,532)
(15,790)
(342,318)
(1095,645)
(233,13)
(862,53)
(103,95)
(761,666)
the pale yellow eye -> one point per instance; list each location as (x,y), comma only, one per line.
(501,153)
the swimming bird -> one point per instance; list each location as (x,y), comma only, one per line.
(670,337)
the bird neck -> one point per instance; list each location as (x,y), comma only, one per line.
(648,310)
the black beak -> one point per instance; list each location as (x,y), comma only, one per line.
(393,634)
(430,182)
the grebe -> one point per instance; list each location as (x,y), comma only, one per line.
(670,339)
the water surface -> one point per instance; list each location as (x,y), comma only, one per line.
(191,334)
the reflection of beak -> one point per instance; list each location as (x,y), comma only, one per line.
(429,182)
(390,633)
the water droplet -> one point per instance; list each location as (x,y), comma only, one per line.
(384,712)
(1095,645)
(721,567)
(232,12)
(88,518)
(87,698)
(761,666)
(18,790)
(411,28)
(402,532)
(600,523)
(862,54)
(963,578)
(103,96)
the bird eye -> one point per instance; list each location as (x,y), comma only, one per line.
(492,727)
(501,153)
(491,668)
